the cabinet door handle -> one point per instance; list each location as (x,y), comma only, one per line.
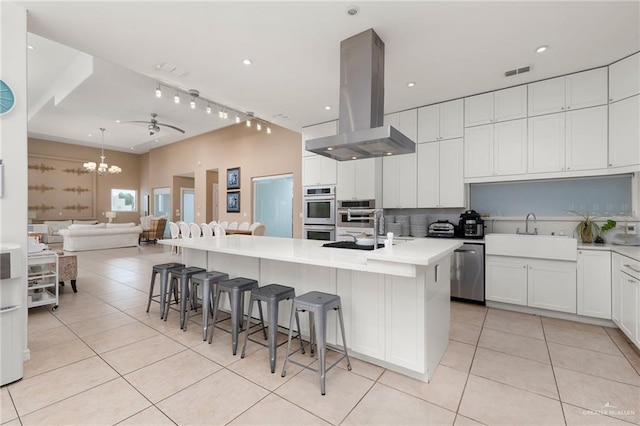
(437,270)
(631,267)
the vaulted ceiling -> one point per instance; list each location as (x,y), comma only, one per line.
(97,62)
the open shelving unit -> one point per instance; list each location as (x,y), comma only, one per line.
(42,279)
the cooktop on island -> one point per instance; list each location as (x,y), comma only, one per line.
(350,245)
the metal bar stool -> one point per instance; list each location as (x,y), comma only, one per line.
(318,304)
(184,276)
(272,294)
(162,269)
(236,288)
(209,281)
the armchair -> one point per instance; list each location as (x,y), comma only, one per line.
(155,231)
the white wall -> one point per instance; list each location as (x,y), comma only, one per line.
(13,136)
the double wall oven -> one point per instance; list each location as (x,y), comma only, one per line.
(319,212)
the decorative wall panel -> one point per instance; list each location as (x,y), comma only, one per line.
(60,189)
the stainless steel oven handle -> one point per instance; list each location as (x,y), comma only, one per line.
(465,251)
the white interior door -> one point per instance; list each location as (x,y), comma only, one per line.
(273,204)
(188,204)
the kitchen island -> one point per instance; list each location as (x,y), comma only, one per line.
(395,300)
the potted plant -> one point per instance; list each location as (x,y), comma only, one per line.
(607,226)
(586,228)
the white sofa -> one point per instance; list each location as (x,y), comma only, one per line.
(100,236)
(54,227)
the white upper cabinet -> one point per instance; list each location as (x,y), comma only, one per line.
(546,143)
(586,89)
(405,121)
(399,181)
(501,105)
(359,179)
(510,104)
(478,151)
(316,169)
(624,132)
(510,148)
(399,175)
(440,174)
(624,80)
(440,121)
(329,128)
(586,138)
(579,90)
(496,149)
(547,96)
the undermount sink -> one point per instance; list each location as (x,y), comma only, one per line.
(535,246)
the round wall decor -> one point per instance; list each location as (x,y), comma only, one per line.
(7,98)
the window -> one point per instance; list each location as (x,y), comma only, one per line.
(123,200)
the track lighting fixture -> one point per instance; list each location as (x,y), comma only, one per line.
(223,111)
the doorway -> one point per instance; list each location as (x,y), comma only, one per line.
(273,204)
(162,205)
(188,204)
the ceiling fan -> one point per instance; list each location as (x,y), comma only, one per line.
(154,126)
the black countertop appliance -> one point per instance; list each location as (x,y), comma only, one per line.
(471,225)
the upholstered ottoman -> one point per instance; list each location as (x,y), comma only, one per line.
(68,269)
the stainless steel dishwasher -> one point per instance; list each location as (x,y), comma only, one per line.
(467,273)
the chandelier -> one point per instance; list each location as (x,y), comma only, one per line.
(102,168)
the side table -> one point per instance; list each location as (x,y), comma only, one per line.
(68,269)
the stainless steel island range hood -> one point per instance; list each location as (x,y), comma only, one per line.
(360,132)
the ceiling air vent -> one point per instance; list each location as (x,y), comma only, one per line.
(517,71)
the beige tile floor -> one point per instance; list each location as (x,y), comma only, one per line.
(101,359)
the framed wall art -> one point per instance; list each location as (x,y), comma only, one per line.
(233,202)
(233,178)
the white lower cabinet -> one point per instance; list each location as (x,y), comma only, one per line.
(625,296)
(546,284)
(629,293)
(506,280)
(552,285)
(594,283)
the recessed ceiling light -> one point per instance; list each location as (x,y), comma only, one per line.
(354,158)
(327,107)
(117,121)
(330,149)
(247,61)
(352,10)
(156,140)
(389,153)
(541,49)
(132,148)
(411,84)
(30,47)
(90,135)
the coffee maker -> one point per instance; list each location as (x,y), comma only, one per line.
(471,225)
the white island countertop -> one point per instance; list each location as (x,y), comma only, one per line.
(401,259)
